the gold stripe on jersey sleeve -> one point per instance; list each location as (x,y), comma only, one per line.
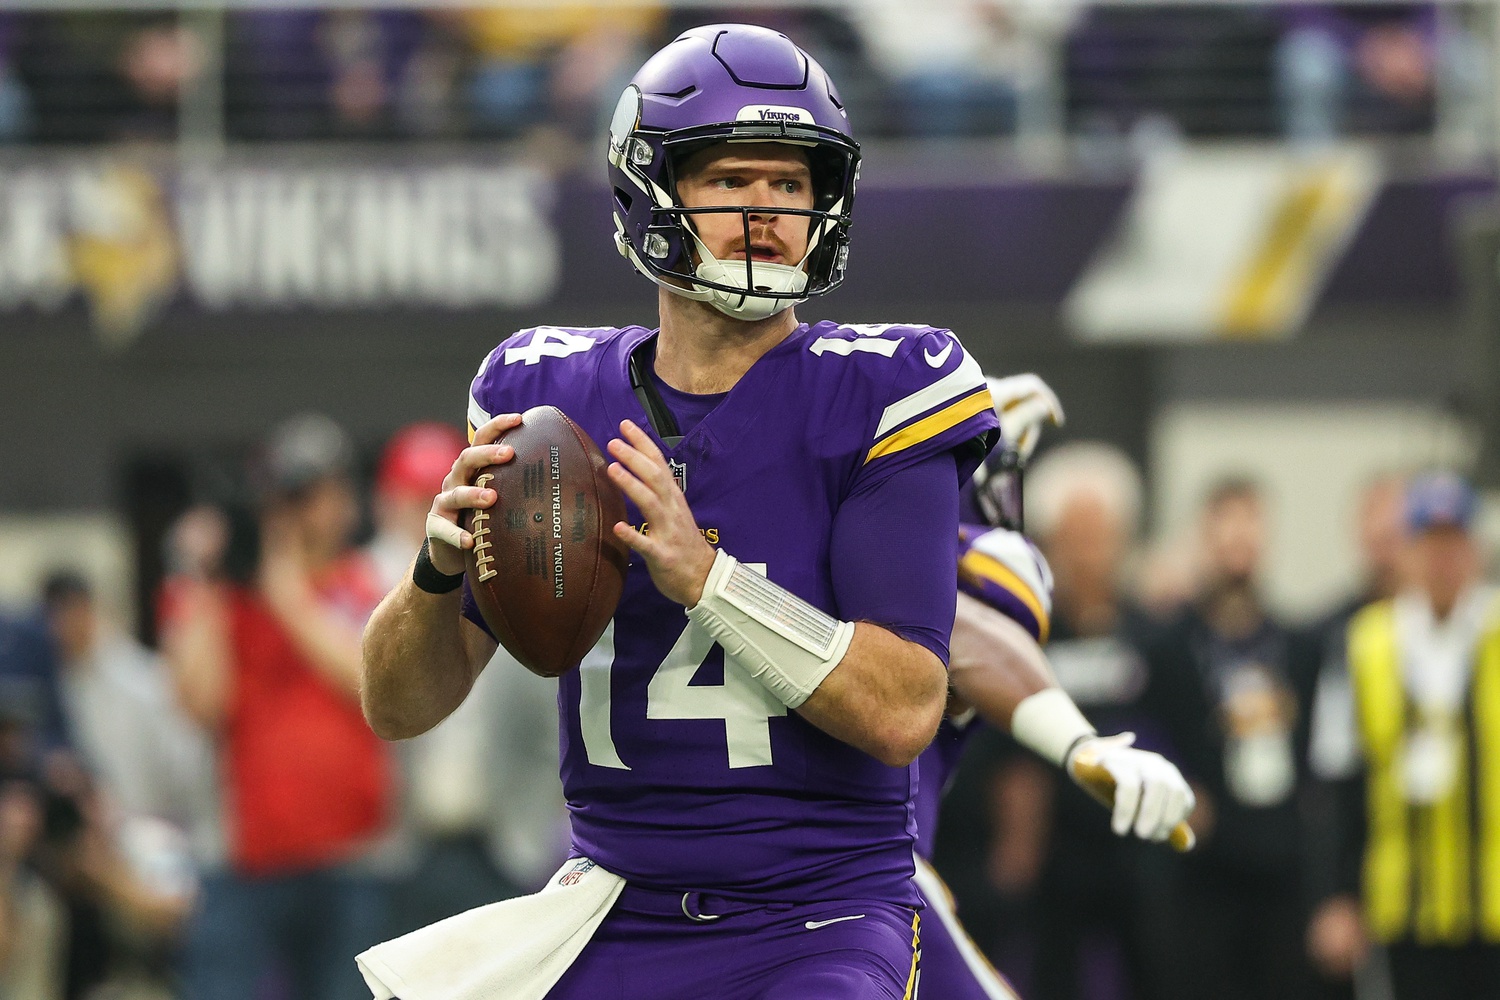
(932,426)
(988,567)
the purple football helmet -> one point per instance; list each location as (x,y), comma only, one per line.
(729,83)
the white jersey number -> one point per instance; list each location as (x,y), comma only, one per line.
(549,342)
(746,707)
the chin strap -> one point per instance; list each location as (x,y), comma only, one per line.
(786,279)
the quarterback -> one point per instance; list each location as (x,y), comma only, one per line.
(738,751)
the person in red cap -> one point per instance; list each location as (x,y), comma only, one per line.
(412,467)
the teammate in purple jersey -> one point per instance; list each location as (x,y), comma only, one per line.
(752,810)
(1000,675)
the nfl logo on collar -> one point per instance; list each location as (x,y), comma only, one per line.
(679,473)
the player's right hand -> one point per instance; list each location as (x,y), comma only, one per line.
(446,540)
(1144,791)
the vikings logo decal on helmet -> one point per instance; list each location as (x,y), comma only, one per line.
(728,83)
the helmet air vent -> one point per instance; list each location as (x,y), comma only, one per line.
(760,57)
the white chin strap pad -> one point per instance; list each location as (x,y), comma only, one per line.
(783,279)
(785,643)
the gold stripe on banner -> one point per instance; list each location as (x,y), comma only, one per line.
(1274,284)
(932,426)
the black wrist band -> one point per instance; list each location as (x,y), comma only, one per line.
(429,578)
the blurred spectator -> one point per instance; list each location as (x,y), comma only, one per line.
(101,76)
(347,73)
(15,99)
(1236,713)
(1084,508)
(1354,68)
(483,793)
(148,758)
(411,471)
(33,922)
(1139,76)
(152,785)
(1425,672)
(954,67)
(29,688)
(1331,801)
(563,64)
(269,659)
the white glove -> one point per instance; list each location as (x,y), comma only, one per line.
(1024,403)
(1150,796)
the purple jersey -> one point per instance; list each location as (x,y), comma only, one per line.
(681,771)
(1004,570)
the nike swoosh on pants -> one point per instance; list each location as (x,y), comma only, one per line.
(813,925)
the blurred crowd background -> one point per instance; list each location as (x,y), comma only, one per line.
(250,258)
(1304,70)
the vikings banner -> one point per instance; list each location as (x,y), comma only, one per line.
(1219,242)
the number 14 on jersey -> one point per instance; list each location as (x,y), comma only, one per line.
(744,705)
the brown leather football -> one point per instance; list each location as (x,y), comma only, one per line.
(546,568)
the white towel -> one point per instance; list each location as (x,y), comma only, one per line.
(512,950)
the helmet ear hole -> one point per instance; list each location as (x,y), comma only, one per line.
(623,199)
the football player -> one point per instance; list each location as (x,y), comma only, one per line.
(1000,675)
(737,751)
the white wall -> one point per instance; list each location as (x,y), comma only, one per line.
(1312,461)
(96,545)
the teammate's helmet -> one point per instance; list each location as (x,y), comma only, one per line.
(998,488)
(718,83)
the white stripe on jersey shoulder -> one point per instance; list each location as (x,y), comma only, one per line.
(961,381)
(478,415)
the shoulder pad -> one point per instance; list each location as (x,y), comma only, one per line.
(1002,568)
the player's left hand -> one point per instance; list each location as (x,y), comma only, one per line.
(1150,796)
(675,551)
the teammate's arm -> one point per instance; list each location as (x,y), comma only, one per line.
(861,683)
(997,668)
(419,655)
(994,664)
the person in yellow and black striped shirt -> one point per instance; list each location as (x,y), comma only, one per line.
(1425,674)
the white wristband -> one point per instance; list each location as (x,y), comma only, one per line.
(1049,723)
(784,642)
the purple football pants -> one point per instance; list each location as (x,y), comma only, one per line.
(953,968)
(651,947)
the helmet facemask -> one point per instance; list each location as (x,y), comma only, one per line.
(668,249)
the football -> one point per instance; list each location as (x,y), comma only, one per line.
(546,569)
